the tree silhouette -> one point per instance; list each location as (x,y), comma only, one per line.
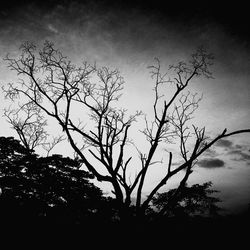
(46,189)
(54,85)
(191,201)
(30,125)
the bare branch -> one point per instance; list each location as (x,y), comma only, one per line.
(49,146)
(29,124)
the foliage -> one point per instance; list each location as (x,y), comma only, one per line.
(191,201)
(51,189)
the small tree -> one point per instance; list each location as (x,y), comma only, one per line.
(53,84)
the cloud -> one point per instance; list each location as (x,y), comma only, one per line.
(177,163)
(52,28)
(210,153)
(211,163)
(236,151)
(239,152)
(240,146)
(242,156)
(224,143)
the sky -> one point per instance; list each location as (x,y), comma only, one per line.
(128,35)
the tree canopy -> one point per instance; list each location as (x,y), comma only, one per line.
(46,189)
(192,201)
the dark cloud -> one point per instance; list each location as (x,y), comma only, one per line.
(224,143)
(122,26)
(133,32)
(242,156)
(233,17)
(211,163)
(211,153)
(178,163)
(237,146)
(183,10)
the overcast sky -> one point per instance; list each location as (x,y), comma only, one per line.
(128,35)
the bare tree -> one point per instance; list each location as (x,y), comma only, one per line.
(54,85)
(30,125)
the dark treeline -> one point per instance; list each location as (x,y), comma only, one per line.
(46,189)
(52,197)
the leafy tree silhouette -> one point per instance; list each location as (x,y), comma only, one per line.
(46,189)
(191,201)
